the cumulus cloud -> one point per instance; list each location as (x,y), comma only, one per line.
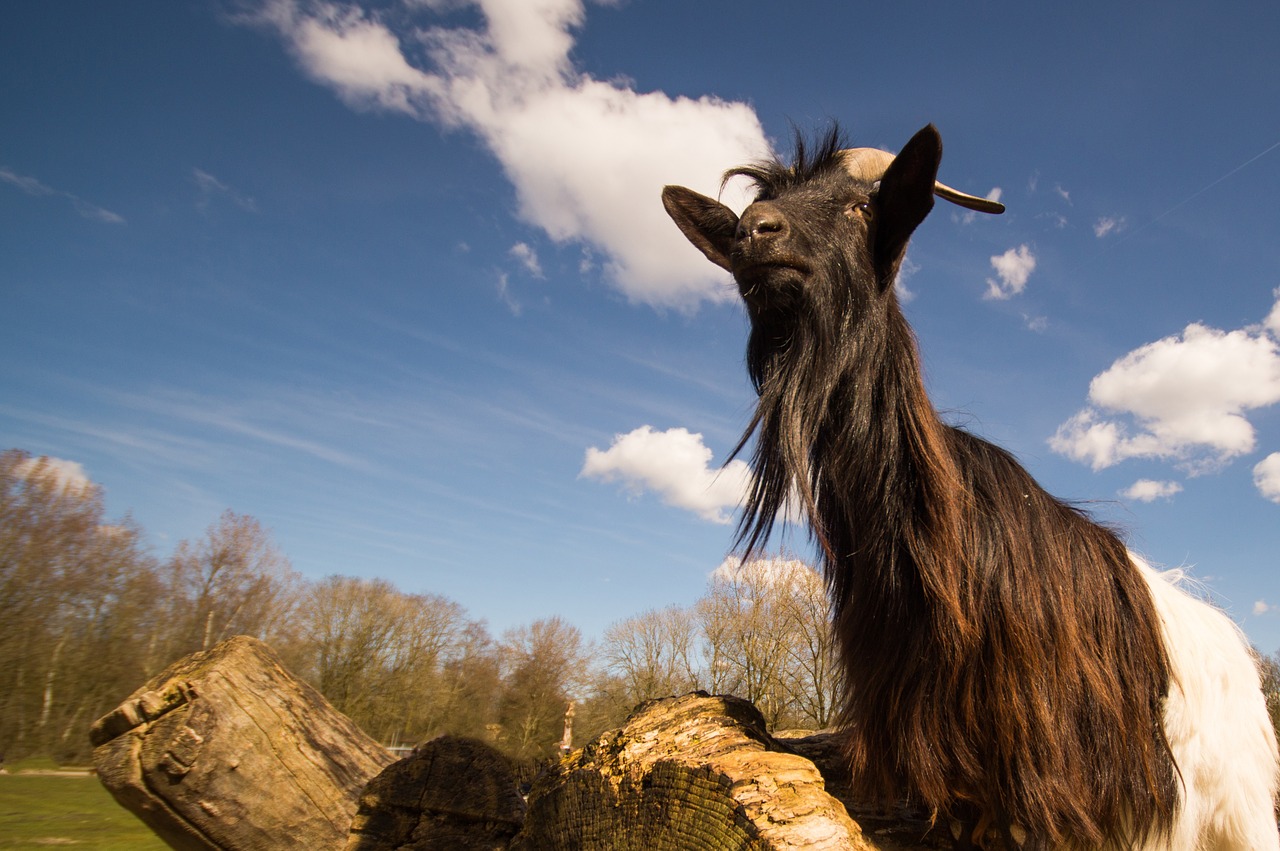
(1013,269)
(587,157)
(1184,398)
(674,464)
(1266,476)
(35,188)
(765,571)
(1262,607)
(1149,490)
(68,477)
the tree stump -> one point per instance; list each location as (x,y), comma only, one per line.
(227,750)
(694,772)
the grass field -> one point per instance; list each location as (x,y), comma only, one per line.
(39,811)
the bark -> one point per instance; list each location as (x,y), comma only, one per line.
(699,772)
(452,792)
(227,750)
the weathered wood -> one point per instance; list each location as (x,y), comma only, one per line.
(451,792)
(694,772)
(226,750)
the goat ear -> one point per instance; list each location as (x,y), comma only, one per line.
(704,221)
(904,199)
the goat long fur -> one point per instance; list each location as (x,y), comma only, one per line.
(1008,663)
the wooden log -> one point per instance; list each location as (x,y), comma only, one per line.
(227,750)
(696,772)
(450,793)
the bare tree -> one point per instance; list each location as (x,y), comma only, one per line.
(765,636)
(544,665)
(811,674)
(378,654)
(652,654)
(232,582)
(76,598)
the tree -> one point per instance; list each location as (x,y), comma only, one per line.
(379,654)
(76,604)
(232,582)
(1270,666)
(653,654)
(544,665)
(766,637)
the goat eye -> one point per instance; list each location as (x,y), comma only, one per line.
(861,209)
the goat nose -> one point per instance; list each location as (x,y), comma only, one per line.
(761,221)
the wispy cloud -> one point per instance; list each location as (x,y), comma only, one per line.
(1108,225)
(528,258)
(35,188)
(579,151)
(968,217)
(1184,398)
(1013,270)
(1262,607)
(674,464)
(211,187)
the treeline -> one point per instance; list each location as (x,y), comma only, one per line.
(87,615)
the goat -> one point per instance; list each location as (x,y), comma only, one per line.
(1008,663)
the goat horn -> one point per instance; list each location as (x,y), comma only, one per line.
(870,164)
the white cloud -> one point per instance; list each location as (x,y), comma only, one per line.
(67,476)
(1262,607)
(1266,475)
(765,571)
(528,258)
(35,188)
(508,298)
(675,465)
(970,216)
(1149,490)
(587,158)
(1063,194)
(1272,322)
(1107,225)
(211,186)
(906,271)
(1183,398)
(1013,269)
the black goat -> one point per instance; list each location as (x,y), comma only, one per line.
(1008,663)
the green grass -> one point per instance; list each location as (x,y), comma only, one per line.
(75,812)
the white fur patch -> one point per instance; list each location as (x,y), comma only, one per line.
(1218,727)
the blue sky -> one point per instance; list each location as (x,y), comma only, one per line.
(394,278)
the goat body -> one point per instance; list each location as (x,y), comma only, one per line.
(1007,661)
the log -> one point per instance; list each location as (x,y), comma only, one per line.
(452,792)
(701,772)
(227,750)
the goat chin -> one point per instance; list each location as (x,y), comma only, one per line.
(1217,724)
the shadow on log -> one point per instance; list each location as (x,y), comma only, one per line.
(227,750)
(452,792)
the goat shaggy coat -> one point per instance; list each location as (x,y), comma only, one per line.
(1008,663)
